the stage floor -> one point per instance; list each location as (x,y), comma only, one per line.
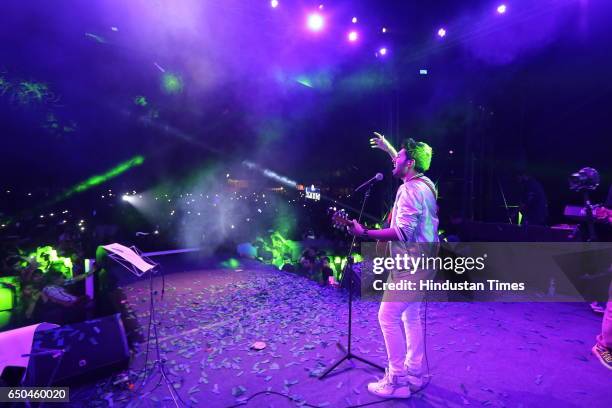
(482,354)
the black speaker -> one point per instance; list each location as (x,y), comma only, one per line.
(11,376)
(78,352)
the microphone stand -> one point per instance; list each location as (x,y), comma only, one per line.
(592,236)
(349,273)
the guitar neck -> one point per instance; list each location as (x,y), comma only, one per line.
(343,221)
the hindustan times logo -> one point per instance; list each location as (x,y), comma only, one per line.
(412,264)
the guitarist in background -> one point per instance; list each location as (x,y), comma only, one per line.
(603,348)
(604,213)
(413,219)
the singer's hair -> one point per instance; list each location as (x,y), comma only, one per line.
(420,152)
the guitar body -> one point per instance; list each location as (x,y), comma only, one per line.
(341,221)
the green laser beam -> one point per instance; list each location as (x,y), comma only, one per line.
(104,177)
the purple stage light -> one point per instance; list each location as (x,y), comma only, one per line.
(384,29)
(441,32)
(354,20)
(315,22)
(353,36)
(274,3)
(382,51)
(501,9)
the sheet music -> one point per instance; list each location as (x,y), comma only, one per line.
(130,256)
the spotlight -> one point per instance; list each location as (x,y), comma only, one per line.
(315,22)
(125,197)
(354,20)
(384,29)
(383,51)
(441,32)
(501,9)
(353,36)
(274,3)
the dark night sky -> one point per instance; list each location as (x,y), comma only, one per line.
(535,86)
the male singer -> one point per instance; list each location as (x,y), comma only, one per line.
(414,220)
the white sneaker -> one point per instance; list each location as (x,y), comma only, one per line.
(597,308)
(414,378)
(414,382)
(390,386)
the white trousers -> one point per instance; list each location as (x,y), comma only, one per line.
(400,323)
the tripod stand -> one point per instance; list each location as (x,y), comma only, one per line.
(159,362)
(348,273)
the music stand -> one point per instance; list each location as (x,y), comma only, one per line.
(132,259)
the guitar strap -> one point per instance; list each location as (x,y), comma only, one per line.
(431,187)
(433,190)
(429,184)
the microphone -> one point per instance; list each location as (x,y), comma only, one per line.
(374,179)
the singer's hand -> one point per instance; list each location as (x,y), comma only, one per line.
(355,228)
(380,142)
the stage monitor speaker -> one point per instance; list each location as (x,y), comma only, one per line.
(11,376)
(78,352)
